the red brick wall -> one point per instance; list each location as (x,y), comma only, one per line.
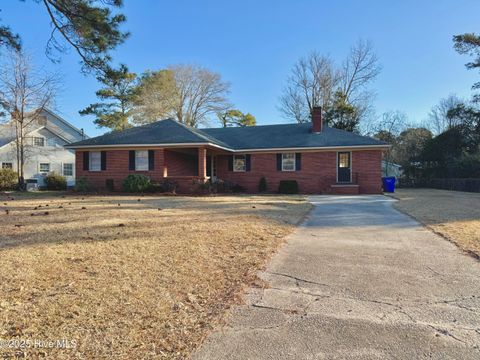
(367,165)
(318,171)
(180,164)
(117,168)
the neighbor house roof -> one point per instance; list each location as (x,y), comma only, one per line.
(287,136)
(7,130)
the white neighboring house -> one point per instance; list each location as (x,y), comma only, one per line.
(393,169)
(45,152)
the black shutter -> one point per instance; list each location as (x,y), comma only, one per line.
(131,160)
(298,161)
(248,163)
(279,162)
(86,160)
(230,163)
(103,157)
(151,159)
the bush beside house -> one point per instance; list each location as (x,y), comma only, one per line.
(55,181)
(136,183)
(8,179)
(288,187)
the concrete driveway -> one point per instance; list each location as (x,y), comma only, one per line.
(358,280)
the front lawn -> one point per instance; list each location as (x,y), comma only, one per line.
(453,214)
(131,277)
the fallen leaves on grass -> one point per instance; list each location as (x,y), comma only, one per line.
(155,290)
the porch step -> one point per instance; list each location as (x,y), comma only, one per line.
(344,189)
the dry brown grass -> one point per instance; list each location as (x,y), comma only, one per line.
(453,214)
(131,277)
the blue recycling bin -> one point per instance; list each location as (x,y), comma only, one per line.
(389,184)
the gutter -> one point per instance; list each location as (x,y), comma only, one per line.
(228,149)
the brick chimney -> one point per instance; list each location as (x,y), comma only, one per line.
(317,122)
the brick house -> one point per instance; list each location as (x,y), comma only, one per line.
(321,159)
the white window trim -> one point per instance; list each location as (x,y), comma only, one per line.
(351,167)
(39,137)
(40,168)
(90,162)
(136,162)
(294,162)
(63,168)
(244,162)
(7,162)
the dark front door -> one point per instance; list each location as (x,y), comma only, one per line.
(209,165)
(344,171)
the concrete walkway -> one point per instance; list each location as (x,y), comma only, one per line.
(358,280)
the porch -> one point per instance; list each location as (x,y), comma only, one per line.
(186,166)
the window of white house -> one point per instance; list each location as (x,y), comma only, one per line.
(239,163)
(288,162)
(38,141)
(51,141)
(95,161)
(141,160)
(7,165)
(44,168)
(68,169)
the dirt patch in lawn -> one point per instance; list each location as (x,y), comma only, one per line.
(453,214)
(129,277)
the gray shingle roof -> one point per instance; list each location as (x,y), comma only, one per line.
(287,136)
(161,132)
(235,138)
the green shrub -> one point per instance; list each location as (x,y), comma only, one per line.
(82,185)
(8,179)
(109,184)
(136,183)
(55,181)
(218,186)
(288,187)
(165,186)
(238,189)
(262,185)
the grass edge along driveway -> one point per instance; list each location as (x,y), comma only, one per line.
(455,215)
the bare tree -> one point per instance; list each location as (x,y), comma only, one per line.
(358,71)
(312,82)
(24,94)
(190,94)
(315,80)
(438,119)
(388,129)
(156,98)
(200,93)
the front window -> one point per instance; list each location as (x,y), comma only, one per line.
(7,165)
(68,169)
(288,162)
(44,168)
(239,163)
(38,141)
(141,160)
(95,161)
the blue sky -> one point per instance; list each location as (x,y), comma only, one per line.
(253,45)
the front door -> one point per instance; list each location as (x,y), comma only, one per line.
(212,166)
(344,167)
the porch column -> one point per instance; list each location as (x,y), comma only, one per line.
(202,162)
(162,162)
